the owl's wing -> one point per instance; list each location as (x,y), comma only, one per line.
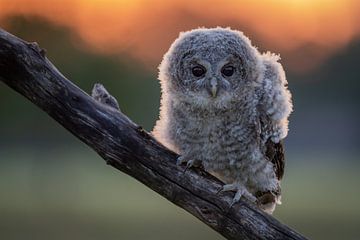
(275,103)
(275,154)
(274,107)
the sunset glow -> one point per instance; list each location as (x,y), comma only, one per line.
(146,28)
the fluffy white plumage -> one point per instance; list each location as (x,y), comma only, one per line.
(226,106)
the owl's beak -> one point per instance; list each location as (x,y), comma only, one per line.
(213,87)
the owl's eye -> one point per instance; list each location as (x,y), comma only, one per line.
(198,71)
(228,71)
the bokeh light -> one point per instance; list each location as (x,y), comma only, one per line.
(145,28)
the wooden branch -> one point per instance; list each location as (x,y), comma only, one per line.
(127,147)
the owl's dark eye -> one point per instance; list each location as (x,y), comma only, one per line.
(198,71)
(228,71)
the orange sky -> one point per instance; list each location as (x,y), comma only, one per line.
(304,32)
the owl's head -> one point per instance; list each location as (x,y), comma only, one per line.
(210,66)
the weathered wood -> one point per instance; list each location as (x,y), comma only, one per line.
(127,147)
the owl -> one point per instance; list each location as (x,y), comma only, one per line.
(225,107)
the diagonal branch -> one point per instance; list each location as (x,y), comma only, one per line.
(127,147)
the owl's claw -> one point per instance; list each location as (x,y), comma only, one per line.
(241,191)
(227,188)
(192,163)
(189,163)
(180,160)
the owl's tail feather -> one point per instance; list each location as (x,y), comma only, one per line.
(268,201)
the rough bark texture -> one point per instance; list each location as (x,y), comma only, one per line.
(127,147)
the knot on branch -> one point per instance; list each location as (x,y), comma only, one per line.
(35,46)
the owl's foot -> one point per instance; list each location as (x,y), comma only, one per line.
(241,192)
(180,160)
(100,94)
(189,162)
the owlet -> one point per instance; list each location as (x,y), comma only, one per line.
(225,106)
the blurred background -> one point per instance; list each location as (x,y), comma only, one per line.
(52,186)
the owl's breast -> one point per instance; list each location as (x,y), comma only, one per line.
(219,142)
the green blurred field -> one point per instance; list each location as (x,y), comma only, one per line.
(66,193)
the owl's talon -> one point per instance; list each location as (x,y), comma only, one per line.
(219,191)
(192,163)
(237,197)
(235,200)
(180,160)
(229,187)
(226,188)
(241,191)
(189,164)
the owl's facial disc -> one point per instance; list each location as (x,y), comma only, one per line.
(211,77)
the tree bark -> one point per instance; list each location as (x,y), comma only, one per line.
(127,147)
